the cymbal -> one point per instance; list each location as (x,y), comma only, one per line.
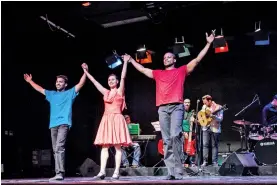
(242,122)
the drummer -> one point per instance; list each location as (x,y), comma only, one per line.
(270,112)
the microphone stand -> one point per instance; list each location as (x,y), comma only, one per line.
(198,135)
(256,98)
(198,141)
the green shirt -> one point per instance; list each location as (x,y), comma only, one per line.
(186,124)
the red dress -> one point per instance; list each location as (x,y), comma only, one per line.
(113,127)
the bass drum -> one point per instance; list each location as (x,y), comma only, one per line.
(266,151)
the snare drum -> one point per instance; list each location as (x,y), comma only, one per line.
(273,131)
(256,132)
(266,150)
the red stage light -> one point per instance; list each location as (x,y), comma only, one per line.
(85,4)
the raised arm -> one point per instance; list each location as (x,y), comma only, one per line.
(92,79)
(140,68)
(82,80)
(28,78)
(192,64)
(121,88)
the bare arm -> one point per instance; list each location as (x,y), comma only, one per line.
(140,68)
(81,83)
(96,83)
(192,64)
(28,78)
(123,74)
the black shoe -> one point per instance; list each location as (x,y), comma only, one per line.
(170,177)
(100,176)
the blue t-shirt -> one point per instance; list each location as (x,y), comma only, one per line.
(61,106)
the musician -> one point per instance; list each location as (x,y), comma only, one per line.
(212,131)
(269,115)
(135,146)
(188,118)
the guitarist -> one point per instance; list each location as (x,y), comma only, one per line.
(188,118)
(212,131)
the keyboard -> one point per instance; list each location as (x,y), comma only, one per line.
(143,137)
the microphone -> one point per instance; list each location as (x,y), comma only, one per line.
(198,101)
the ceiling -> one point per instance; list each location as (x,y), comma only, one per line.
(162,20)
(123,12)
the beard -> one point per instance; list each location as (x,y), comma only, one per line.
(60,88)
(169,65)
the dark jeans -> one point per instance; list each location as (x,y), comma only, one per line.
(58,136)
(207,136)
(171,119)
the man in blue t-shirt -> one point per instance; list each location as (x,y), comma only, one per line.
(61,102)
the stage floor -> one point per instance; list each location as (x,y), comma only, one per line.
(133,180)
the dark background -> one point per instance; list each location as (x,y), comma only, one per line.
(30,46)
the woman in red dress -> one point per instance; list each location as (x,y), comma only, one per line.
(113,130)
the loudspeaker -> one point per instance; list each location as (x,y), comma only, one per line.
(239,164)
(89,168)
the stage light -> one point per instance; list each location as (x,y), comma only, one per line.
(114,60)
(141,52)
(143,56)
(180,48)
(86,4)
(220,45)
(222,49)
(261,37)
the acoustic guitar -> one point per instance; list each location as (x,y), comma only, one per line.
(205,116)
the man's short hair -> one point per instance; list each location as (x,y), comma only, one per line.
(186,99)
(174,56)
(63,77)
(207,97)
(275,97)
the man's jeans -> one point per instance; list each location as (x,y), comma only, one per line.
(136,155)
(58,136)
(171,119)
(207,135)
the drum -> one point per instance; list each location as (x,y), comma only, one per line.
(256,132)
(266,151)
(273,131)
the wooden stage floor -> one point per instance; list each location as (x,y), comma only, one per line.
(149,180)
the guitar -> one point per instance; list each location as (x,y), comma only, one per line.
(161,147)
(205,116)
(189,145)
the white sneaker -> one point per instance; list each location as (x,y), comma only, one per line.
(58,176)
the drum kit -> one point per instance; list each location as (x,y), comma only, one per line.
(263,137)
